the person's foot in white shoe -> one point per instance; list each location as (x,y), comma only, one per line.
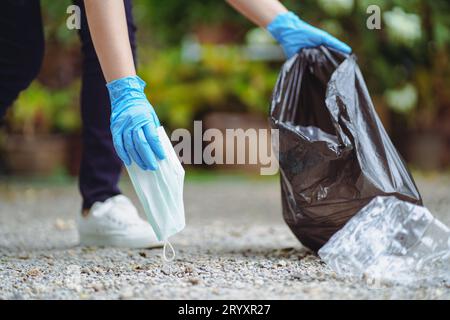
(116,223)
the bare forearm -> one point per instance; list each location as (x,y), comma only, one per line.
(260,12)
(109,32)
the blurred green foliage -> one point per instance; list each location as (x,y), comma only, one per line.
(54,16)
(406,63)
(164,23)
(222,80)
(39,110)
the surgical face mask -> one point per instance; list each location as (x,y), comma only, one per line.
(161,192)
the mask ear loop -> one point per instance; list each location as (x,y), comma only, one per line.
(170,258)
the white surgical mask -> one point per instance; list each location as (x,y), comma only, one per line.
(161,192)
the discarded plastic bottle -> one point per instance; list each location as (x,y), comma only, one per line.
(393,241)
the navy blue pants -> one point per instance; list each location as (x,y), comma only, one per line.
(21,53)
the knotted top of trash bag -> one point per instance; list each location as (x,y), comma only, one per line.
(334,153)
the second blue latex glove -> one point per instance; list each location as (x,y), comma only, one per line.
(293,34)
(134,123)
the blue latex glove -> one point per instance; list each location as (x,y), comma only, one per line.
(293,34)
(134,123)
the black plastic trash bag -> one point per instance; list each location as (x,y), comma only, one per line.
(334,153)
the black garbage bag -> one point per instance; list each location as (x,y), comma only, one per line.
(334,153)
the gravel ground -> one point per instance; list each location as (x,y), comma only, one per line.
(235,246)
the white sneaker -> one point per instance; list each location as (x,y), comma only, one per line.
(116,223)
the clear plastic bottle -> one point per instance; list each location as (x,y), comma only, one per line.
(394,241)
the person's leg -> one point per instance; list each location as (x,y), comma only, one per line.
(22,48)
(100,166)
(109,218)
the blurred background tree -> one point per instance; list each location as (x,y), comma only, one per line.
(202,57)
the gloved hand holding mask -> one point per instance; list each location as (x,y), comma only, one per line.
(134,124)
(139,141)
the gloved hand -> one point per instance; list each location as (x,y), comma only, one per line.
(293,34)
(134,123)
